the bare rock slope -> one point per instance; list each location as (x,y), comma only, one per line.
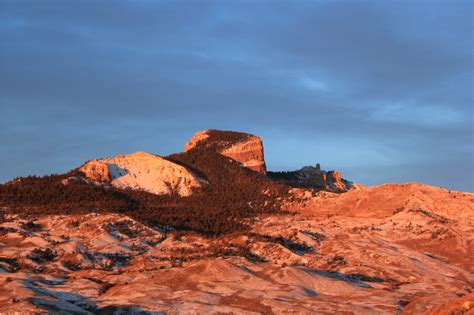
(143,171)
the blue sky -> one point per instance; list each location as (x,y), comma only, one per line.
(380,90)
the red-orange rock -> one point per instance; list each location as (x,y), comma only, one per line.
(241,147)
(96,171)
(313,176)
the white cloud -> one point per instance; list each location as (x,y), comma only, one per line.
(313,84)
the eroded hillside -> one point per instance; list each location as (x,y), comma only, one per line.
(331,260)
(241,242)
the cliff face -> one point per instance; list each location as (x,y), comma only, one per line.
(143,171)
(161,176)
(249,153)
(248,150)
(244,148)
(314,177)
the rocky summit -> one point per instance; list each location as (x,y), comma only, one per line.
(244,148)
(313,176)
(209,230)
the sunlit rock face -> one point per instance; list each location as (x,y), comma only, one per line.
(143,171)
(96,171)
(244,148)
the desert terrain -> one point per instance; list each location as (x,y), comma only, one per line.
(334,247)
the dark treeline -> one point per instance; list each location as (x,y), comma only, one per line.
(218,139)
(283,175)
(225,137)
(234,196)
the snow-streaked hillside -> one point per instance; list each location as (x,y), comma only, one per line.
(144,171)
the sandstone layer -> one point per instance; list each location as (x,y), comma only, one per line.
(244,148)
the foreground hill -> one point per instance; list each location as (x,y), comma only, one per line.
(209,230)
(387,249)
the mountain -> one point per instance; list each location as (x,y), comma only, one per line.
(206,231)
(143,171)
(200,189)
(242,147)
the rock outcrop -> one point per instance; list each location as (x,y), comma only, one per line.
(244,148)
(314,177)
(143,171)
(96,171)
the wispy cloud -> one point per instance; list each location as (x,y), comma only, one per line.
(369,83)
(419,115)
(313,84)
